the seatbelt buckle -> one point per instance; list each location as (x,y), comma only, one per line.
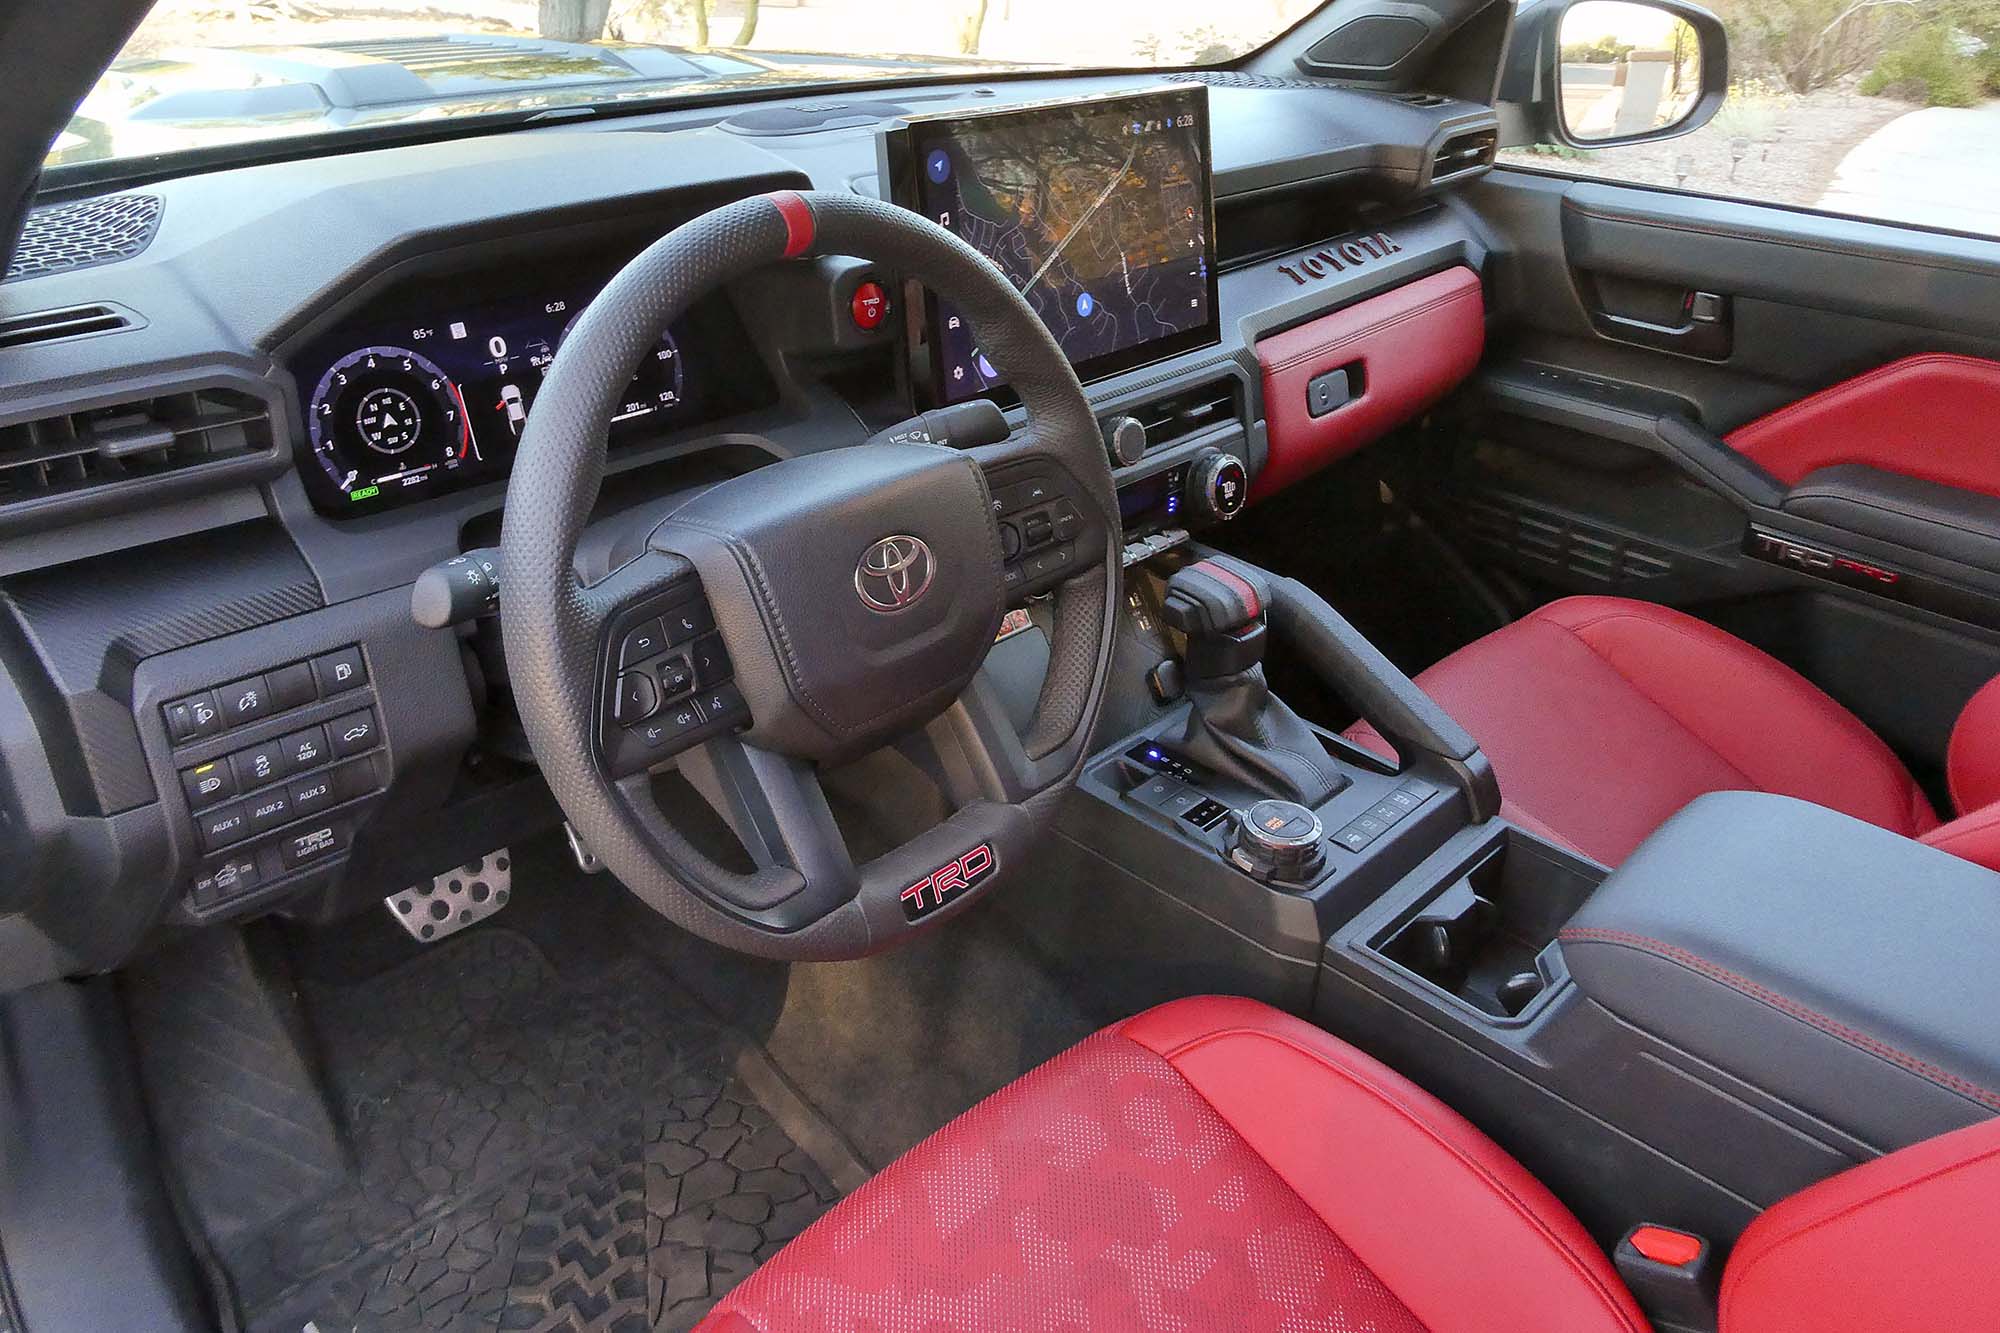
(1673,1274)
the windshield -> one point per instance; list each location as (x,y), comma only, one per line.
(207,73)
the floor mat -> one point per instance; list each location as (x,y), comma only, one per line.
(534,1151)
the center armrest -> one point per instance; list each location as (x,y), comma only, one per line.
(1847,970)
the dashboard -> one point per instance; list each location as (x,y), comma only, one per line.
(427,389)
(315,375)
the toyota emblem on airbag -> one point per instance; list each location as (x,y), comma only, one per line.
(893,574)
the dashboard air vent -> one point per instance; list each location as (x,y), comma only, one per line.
(83,234)
(47,326)
(1189,413)
(72,452)
(1462,153)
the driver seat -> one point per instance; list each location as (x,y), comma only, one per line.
(1216,1164)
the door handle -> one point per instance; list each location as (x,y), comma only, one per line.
(1706,328)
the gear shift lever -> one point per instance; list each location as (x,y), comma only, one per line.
(1238,727)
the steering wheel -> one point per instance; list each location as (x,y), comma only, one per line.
(854,594)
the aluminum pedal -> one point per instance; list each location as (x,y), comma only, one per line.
(456,899)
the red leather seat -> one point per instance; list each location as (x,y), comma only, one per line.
(1211,1164)
(1215,1164)
(1603,716)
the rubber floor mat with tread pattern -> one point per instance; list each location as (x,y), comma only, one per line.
(532,1151)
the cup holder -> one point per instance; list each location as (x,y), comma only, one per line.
(1483,935)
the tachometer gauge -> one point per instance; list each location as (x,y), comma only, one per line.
(385,416)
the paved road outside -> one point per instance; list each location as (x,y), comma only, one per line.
(1939,167)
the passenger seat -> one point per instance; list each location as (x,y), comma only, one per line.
(1603,716)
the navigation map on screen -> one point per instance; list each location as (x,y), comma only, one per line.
(1097,211)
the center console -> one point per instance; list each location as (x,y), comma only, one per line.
(1764,994)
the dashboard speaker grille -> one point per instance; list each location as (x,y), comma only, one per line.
(84,234)
(1229,78)
(72,452)
(1373,41)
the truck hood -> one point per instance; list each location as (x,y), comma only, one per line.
(189,99)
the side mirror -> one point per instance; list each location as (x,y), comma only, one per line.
(1600,73)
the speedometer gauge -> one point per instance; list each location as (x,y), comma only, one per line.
(657,385)
(385,416)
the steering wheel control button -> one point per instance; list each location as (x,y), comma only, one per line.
(1010,541)
(648,640)
(218,828)
(315,842)
(340,671)
(711,660)
(208,784)
(687,622)
(869,306)
(1068,522)
(1038,530)
(638,698)
(353,734)
(681,719)
(676,677)
(724,703)
(304,749)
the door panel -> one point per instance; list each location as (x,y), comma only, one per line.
(1664,369)
(1934,417)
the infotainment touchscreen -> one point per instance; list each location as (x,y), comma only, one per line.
(1100,211)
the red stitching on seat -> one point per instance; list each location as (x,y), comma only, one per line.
(1786,1004)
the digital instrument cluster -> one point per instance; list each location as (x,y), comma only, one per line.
(431,393)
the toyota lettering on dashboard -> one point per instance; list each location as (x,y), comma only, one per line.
(1099,211)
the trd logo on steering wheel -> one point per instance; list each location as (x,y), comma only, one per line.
(893,574)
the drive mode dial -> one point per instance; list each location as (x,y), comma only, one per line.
(1219,484)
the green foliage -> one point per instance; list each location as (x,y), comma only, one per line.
(1930,66)
(1606,50)
(1808,44)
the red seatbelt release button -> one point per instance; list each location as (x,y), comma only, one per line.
(1676,1249)
(1673,1274)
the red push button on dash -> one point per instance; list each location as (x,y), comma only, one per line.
(870,306)
(1676,1249)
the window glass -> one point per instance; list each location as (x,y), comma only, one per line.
(1876,109)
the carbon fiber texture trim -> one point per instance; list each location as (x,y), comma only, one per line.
(91,622)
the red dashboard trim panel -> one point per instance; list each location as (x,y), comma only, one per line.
(1920,417)
(1413,344)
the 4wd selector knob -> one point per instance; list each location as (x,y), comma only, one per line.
(1125,440)
(1277,841)
(1220,484)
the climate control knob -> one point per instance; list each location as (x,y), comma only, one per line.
(1219,484)
(1124,440)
